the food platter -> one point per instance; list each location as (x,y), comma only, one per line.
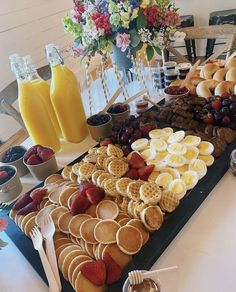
(158,242)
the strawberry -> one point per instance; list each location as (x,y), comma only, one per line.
(208,119)
(38,195)
(145,129)
(105,142)
(3,174)
(136,161)
(33,160)
(95,195)
(113,269)
(145,172)
(132,173)
(84,186)
(79,204)
(22,202)
(28,153)
(95,272)
(216,104)
(45,153)
(29,208)
(225,95)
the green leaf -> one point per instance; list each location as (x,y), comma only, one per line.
(138,48)
(135,38)
(158,50)
(149,52)
(141,21)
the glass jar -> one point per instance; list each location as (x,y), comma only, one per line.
(141,106)
(233,162)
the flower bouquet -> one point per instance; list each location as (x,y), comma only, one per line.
(100,26)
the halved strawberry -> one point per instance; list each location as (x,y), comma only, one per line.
(132,173)
(95,272)
(105,142)
(38,195)
(45,153)
(32,150)
(145,129)
(34,159)
(79,204)
(22,202)
(84,186)
(136,161)
(31,207)
(113,269)
(145,172)
(95,195)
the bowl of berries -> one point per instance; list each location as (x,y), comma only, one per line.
(172,92)
(40,161)
(10,184)
(119,111)
(14,156)
(100,126)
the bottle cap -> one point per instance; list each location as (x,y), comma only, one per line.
(17,66)
(53,55)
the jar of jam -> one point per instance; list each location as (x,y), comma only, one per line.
(141,106)
(233,162)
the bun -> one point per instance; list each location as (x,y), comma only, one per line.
(231,75)
(208,70)
(189,85)
(204,88)
(231,63)
(224,86)
(220,74)
(196,80)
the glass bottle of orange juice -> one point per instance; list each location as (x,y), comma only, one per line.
(43,88)
(33,110)
(66,98)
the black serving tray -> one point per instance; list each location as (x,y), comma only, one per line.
(158,241)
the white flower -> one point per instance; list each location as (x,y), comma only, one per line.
(145,35)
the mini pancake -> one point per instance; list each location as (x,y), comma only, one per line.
(56,214)
(43,202)
(58,235)
(75,262)
(89,249)
(121,215)
(152,218)
(76,272)
(55,194)
(82,284)
(139,225)
(75,223)
(26,219)
(65,195)
(43,213)
(66,172)
(87,230)
(63,222)
(30,225)
(105,231)
(65,252)
(52,179)
(107,209)
(118,256)
(60,248)
(12,214)
(124,221)
(91,211)
(61,241)
(129,239)
(100,249)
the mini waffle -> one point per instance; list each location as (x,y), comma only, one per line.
(130,208)
(152,218)
(129,239)
(86,170)
(87,230)
(52,179)
(110,187)
(73,177)
(107,160)
(124,204)
(114,151)
(93,150)
(138,208)
(95,175)
(133,190)
(76,166)
(66,172)
(118,256)
(122,185)
(107,209)
(118,167)
(118,199)
(102,150)
(105,231)
(102,177)
(63,222)
(75,223)
(100,160)
(91,158)
(169,202)
(139,225)
(150,193)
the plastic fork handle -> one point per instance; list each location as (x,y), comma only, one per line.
(50,251)
(53,286)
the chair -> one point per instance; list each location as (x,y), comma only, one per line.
(219,18)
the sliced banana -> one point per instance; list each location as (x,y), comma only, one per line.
(208,159)
(205,148)
(175,160)
(192,153)
(191,140)
(157,133)
(182,169)
(131,153)
(148,154)
(177,148)
(161,155)
(178,187)
(139,144)
(158,144)
(165,137)
(153,176)
(168,131)
(159,164)
(164,179)
(176,137)
(172,171)
(199,166)
(190,179)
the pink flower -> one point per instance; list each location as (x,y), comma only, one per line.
(123,41)
(3,224)
(152,14)
(79,51)
(102,21)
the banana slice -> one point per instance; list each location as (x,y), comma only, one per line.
(205,148)
(168,131)
(175,160)
(190,179)
(176,137)
(161,155)
(199,166)
(148,154)
(172,171)
(164,179)
(165,137)
(139,144)
(131,153)
(192,153)
(182,169)
(157,133)
(153,176)
(191,140)
(208,159)
(178,187)
(159,164)
(158,144)
(177,148)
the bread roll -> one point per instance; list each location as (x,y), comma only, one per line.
(189,85)
(196,80)
(220,74)
(224,87)
(208,70)
(204,88)
(231,75)
(231,63)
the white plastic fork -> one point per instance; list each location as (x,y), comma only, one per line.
(3,206)
(48,229)
(37,239)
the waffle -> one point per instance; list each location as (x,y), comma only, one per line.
(102,150)
(122,185)
(130,208)
(133,190)
(138,209)
(73,177)
(152,217)
(114,151)
(76,166)
(95,175)
(107,160)
(102,177)
(150,193)
(124,204)
(86,170)
(110,187)
(66,172)
(118,167)
(93,150)
(100,160)
(118,199)
(169,202)
(91,158)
